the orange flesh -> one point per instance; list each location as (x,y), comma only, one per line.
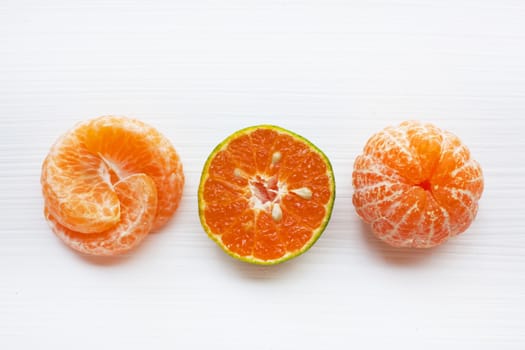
(254,176)
(416,185)
(84,169)
(138,200)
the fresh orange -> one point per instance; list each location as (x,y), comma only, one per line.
(417,185)
(138,199)
(108,182)
(266,194)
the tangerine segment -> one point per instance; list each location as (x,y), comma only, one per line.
(77,190)
(137,195)
(266,194)
(82,166)
(416,184)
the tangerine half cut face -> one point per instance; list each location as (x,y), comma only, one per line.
(416,185)
(266,194)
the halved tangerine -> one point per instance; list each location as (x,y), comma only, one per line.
(417,185)
(266,194)
(108,182)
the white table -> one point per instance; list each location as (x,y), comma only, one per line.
(333,71)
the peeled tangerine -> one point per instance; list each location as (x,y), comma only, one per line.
(417,185)
(108,182)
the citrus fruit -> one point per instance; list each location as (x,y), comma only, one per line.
(108,182)
(138,199)
(266,194)
(417,185)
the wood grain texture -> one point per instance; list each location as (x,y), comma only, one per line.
(332,71)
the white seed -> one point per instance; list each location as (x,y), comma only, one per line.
(303,192)
(237,172)
(277,213)
(276,157)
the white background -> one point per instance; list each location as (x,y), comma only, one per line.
(332,71)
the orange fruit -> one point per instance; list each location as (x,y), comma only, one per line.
(266,194)
(109,181)
(138,199)
(417,185)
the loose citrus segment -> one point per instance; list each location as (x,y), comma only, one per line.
(138,202)
(83,168)
(266,194)
(417,185)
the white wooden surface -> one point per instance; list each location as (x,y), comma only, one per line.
(333,71)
